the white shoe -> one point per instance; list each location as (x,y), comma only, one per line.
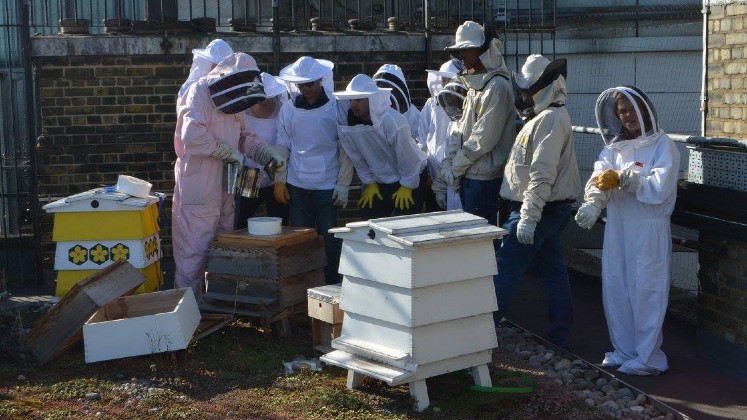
(613,359)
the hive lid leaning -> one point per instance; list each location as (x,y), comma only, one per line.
(428,229)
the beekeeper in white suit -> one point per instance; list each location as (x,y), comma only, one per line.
(377,139)
(211,132)
(204,60)
(435,129)
(635,178)
(319,173)
(391,76)
(540,184)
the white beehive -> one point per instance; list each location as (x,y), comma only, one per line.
(418,299)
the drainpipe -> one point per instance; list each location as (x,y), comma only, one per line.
(704,80)
(428,35)
(276,35)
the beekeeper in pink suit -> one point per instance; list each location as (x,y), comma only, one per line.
(204,60)
(211,132)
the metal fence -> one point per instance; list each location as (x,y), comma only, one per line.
(19,219)
(159,16)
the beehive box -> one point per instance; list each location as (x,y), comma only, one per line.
(97,228)
(141,324)
(263,276)
(418,299)
(326,315)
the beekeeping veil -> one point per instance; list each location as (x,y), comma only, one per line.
(613,130)
(235,84)
(448,70)
(307,69)
(451,99)
(362,86)
(391,76)
(543,81)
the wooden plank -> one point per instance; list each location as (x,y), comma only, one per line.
(426,222)
(266,262)
(277,294)
(228,297)
(60,328)
(210,323)
(289,235)
(242,285)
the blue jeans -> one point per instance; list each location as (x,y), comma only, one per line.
(546,259)
(316,209)
(481,198)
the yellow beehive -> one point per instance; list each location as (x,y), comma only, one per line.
(96,228)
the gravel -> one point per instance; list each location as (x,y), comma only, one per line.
(592,385)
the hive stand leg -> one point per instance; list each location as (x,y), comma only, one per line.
(419,391)
(355,379)
(481,375)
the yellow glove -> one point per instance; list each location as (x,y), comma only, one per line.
(608,180)
(280,191)
(403,198)
(367,197)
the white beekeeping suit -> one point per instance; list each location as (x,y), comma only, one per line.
(203,60)
(635,178)
(434,131)
(392,77)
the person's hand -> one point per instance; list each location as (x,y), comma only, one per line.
(227,153)
(440,198)
(448,176)
(629,180)
(280,191)
(367,197)
(340,196)
(587,215)
(403,198)
(608,180)
(525,232)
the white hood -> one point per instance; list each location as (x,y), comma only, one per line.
(362,86)
(613,132)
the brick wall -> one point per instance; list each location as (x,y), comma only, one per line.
(722,299)
(727,71)
(108,110)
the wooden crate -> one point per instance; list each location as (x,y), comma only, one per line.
(141,324)
(326,315)
(324,303)
(323,334)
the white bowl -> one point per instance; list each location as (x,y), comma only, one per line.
(264,225)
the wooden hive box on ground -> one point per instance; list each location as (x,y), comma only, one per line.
(418,299)
(141,324)
(326,315)
(60,327)
(264,276)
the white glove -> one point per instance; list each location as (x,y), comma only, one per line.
(629,180)
(226,153)
(448,176)
(587,215)
(340,196)
(440,198)
(525,232)
(268,154)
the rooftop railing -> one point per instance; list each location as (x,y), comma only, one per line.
(51,17)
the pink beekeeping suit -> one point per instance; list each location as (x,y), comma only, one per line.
(201,206)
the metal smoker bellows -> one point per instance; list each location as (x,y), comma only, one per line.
(418,299)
